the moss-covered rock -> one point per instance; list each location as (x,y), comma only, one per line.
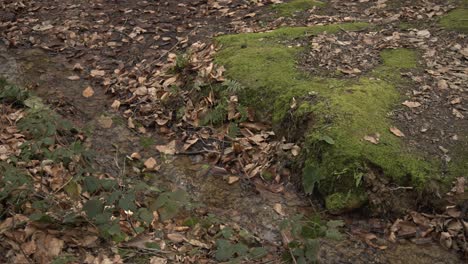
(293,6)
(338,203)
(332,115)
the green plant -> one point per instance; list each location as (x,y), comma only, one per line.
(233,86)
(304,232)
(234,246)
(182,61)
(12,94)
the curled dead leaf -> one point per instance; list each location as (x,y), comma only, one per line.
(279,209)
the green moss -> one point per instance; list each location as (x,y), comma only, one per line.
(458,167)
(338,203)
(343,111)
(267,67)
(291,7)
(399,58)
(456,19)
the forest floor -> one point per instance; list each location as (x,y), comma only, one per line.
(123,138)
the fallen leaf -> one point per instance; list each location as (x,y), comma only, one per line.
(456,101)
(73,78)
(77,67)
(411,104)
(169,149)
(457,114)
(135,155)
(176,237)
(105,121)
(157,260)
(233,179)
(130,123)
(442,84)
(197,243)
(88,92)
(397,132)
(374,139)
(97,73)
(279,209)
(115,105)
(295,150)
(150,163)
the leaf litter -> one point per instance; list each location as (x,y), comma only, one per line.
(147,85)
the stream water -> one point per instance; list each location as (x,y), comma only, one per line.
(242,203)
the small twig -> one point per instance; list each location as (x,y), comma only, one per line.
(401,187)
(63,186)
(347,33)
(292,255)
(196,152)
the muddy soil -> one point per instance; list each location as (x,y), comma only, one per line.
(242,203)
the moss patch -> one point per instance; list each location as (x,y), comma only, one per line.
(457,19)
(291,7)
(343,112)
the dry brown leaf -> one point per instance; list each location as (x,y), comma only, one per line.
(457,114)
(97,73)
(169,149)
(254,126)
(169,81)
(295,151)
(88,92)
(189,143)
(130,123)
(135,155)
(176,237)
(115,105)
(198,243)
(411,104)
(397,132)
(456,101)
(48,247)
(279,209)
(105,121)
(233,179)
(368,239)
(77,67)
(150,163)
(158,260)
(374,139)
(73,78)
(442,84)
